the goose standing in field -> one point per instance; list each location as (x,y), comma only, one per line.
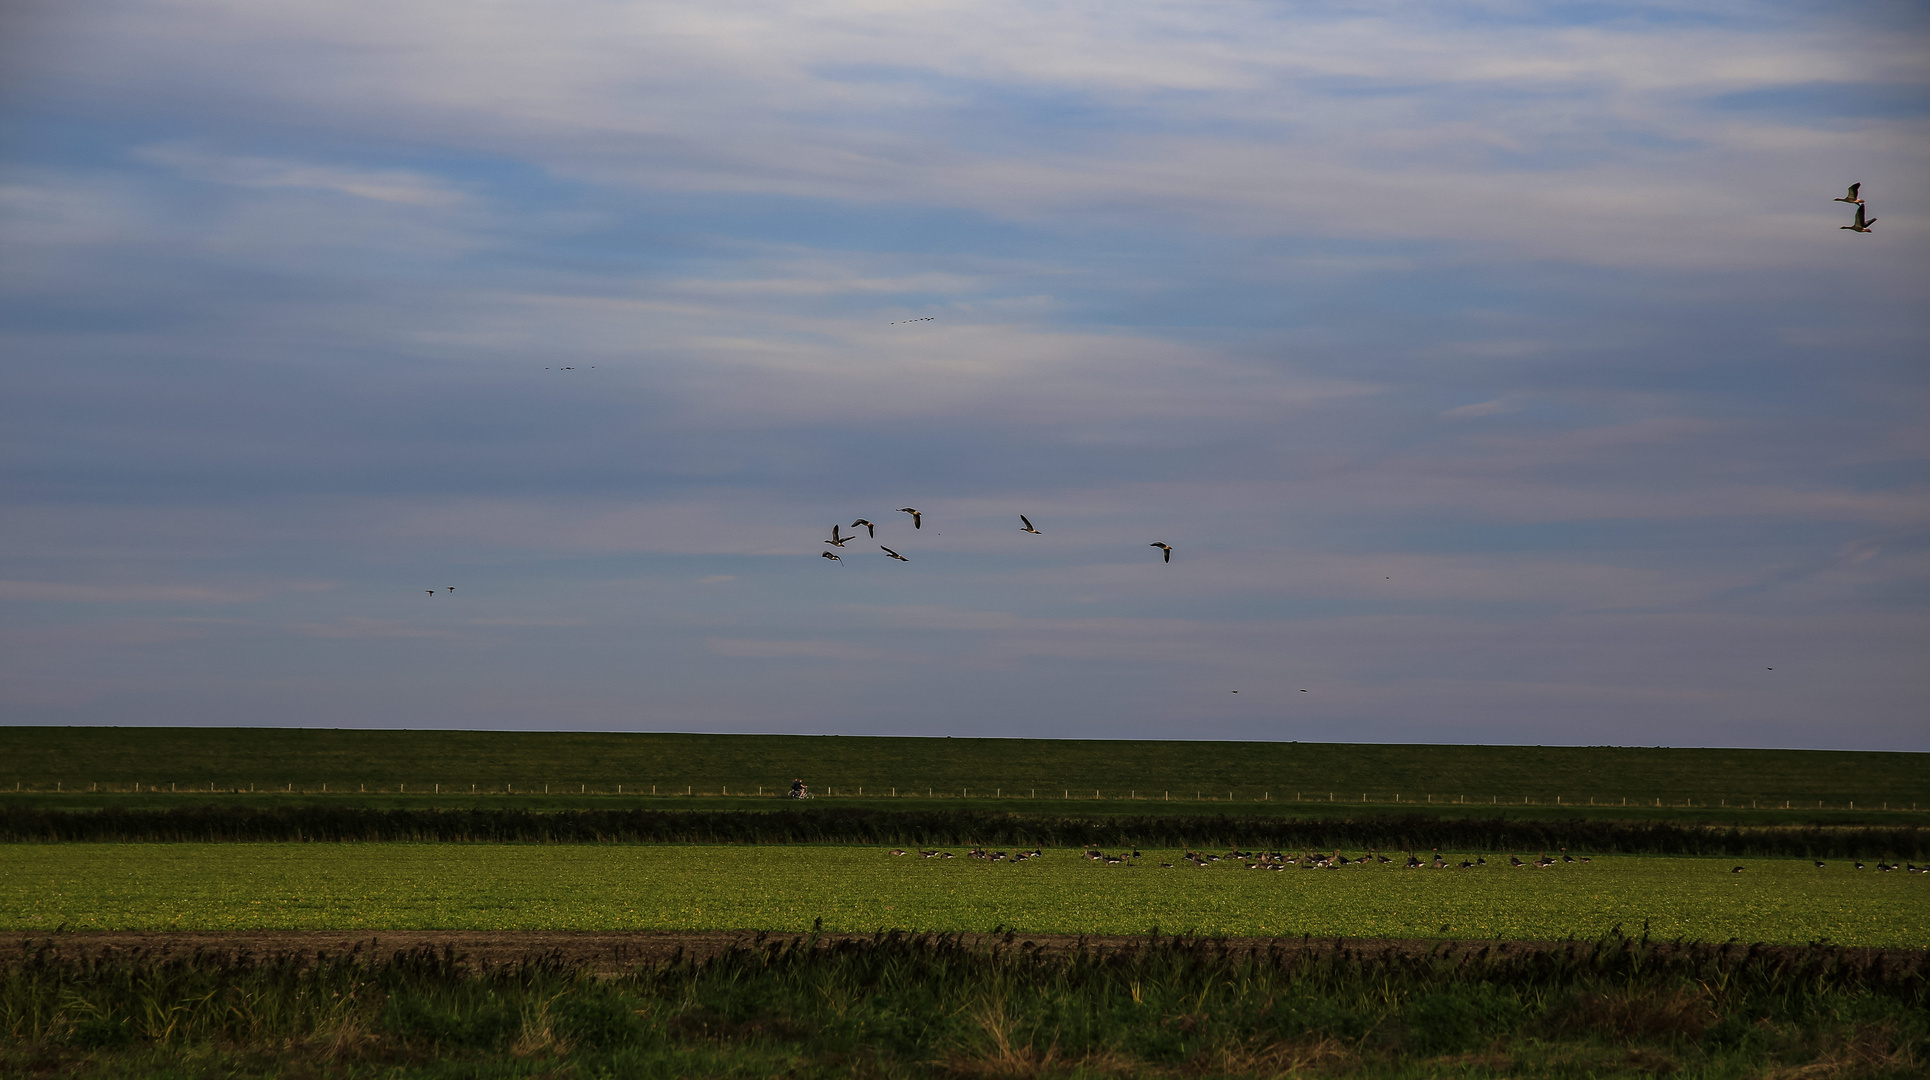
(830,555)
(869,528)
(892,553)
(837,541)
(1028,526)
(1851,197)
(1166,550)
(1862,223)
(917,519)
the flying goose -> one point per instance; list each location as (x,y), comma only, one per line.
(892,553)
(1851,197)
(1028,526)
(1862,223)
(868,527)
(830,556)
(1165,549)
(431,592)
(838,541)
(917,519)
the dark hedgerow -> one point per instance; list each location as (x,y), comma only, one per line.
(853,825)
(933,1005)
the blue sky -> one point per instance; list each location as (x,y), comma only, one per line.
(1498,371)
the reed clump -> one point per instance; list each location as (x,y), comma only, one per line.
(954,827)
(936,1005)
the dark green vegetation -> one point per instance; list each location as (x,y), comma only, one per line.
(794,823)
(905,1007)
(1283,774)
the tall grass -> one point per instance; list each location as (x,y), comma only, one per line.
(858,825)
(901,1005)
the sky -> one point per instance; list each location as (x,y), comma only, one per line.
(1498,372)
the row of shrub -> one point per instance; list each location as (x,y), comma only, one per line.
(806,824)
(934,1005)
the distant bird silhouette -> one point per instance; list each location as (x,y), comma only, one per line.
(1165,550)
(868,527)
(917,519)
(1862,223)
(1028,525)
(838,541)
(1303,689)
(892,553)
(901,322)
(431,592)
(830,556)
(1851,197)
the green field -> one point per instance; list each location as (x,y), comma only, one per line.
(427,886)
(1142,775)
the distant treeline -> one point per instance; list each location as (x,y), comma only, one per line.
(954,828)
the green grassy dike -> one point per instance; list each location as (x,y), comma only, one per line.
(899,1006)
(1143,774)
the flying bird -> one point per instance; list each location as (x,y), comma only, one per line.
(917,519)
(431,592)
(839,541)
(868,527)
(1303,689)
(830,555)
(1851,197)
(452,588)
(1166,550)
(892,553)
(1862,223)
(927,318)
(1028,526)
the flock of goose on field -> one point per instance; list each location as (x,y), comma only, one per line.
(1266,860)
(1310,860)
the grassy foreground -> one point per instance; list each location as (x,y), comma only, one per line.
(897,1007)
(42,759)
(856,889)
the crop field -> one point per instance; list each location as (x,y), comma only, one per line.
(1144,775)
(863,889)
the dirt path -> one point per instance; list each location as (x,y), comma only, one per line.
(611,952)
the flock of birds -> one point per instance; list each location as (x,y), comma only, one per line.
(1883,867)
(1271,860)
(1862,222)
(839,538)
(1333,860)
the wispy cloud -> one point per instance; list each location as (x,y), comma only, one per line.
(380,185)
(1484,364)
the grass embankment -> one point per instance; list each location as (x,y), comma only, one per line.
(924,1007)
(861,890)
(1139,774)
(792,823)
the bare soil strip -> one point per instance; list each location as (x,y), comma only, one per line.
(615,952)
